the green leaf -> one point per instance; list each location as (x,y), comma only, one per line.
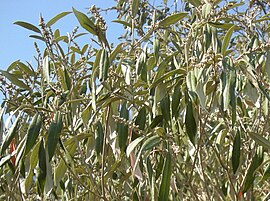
(232,95)
(165,108)
(85,22)
(28,26)
(118,49)
(61,170)
(99,135)
(122,128)
(172,19)
(176,100)
(22,67)
(256,162)
(260,140)
(226,40)
(156,121)
(147,145)
(54,133)
(224,26)
(33,162)
(56,18)
(42,171)
(123,23)
(38,37)
(134,7)
(151,142)
(167,75)
(133,145)
(166,179)
(12,78)
(195,3)
(46,69)
(141,118)
(33,132)
(191,126)
(104,65)
(10,135)
(67,79)
(236,152)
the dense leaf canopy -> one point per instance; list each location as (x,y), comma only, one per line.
(178,109)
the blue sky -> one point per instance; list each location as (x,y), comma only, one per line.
(15,41)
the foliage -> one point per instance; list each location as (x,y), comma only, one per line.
(178,110)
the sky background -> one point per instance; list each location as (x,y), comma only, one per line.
(15,41)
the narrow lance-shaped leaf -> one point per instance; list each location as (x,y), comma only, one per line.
(99,135)
(10,135)
(176,100)
(147,145)
(133,145)
(42,167)
(141,118)
(28,26)
(122,128)
(250,176)
(165,108)
(85,22)
(191,126)
(260,140)
(14,80)
(172,19)
(46,69)
(53,134)
(226,40)
(56,18)
(104,65)
(236,151)
(135,7)
(32,133)
(166,179)
(232,96)
(33,162)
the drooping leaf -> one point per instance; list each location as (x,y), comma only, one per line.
(236,151)
(122,128)
(166,179)
(104,65)
(141,118)
(28,26)
(42,167)
(33,163)
(56,18)
(176,100)
(53,134)
(147,145)
(133,145)
(233,96)
(99,135)
(150,143)
(191,126)
(256,162)
(156,121)
(33,132)
(165,108)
